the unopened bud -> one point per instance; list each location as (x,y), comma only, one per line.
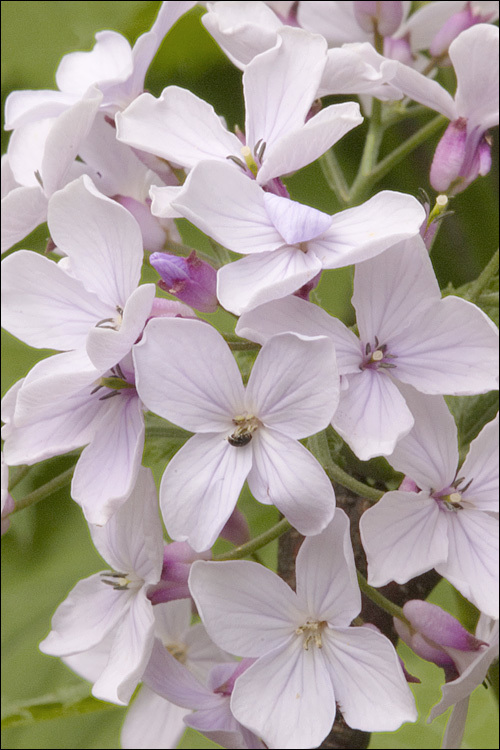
(384,17)
(460,157)
(189,279)
(453,27)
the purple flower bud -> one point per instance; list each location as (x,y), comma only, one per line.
(399,49)
(460,157)
(236,529)
(190,279)
(307,288)
(386,17)
(177,559)
(453,27)
(408,485)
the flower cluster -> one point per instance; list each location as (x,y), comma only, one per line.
(291,402)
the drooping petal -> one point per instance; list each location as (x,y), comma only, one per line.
(185,372)
(289,397)
(372,414)
(285,474)
(246,608)
(474,54)
(481,465)
(403,535)
(286,697)
(152,723)
(110,59)
(424,90)
(263,277)
(201,486)
(365,231)
(367,679)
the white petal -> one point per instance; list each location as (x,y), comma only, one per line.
(474,54)
(23,209)
(285,474)
(246,608)
(152,723)
(297,315)
(295,221)
(185,372)
(22,107)
(452,348)
(263,277)
(368,680)
(129,654)
(111,58)
(326,574)
(403,535)
(372,414)
(162,198)
(196,504)
(90,663)
(429,453)
(455,727)
(424,90)
(101,238)
(365,231)
(472,564)
(481,465)
(286,697)
(289,397)
(172,620)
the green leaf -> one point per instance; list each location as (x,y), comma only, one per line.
(471,414)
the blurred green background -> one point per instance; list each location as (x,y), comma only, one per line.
(48,547)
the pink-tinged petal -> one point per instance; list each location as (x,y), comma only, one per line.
(285,474)
(185,372)
(242,30)
(44,306)
(129,654)
(84,618)
(439,626)
(403,535)
(452,348)
(22,107)
(111,58)
(295,221)
(107,468)
(474,55)
(179,127)
(228,206)
(288,396)
(424,90)
(481,465)
(297,315)
(197,503)
(162,198)
(429,453)
(335,20)
(219,725)
(107,346)
(101,238)
(390,289)
(23,209)
(367,679)
(300,147)
(472,562)
(286,697)
(152,723)
(365,231)
(372,414)
(326,574)
(246,608)
(281,84)
(263,277)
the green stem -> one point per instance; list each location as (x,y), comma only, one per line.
(248,549)
(16,474)
(483,279)
(46,490)
(370,154)
(335,176)
(380,600)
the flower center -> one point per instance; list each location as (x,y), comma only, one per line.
(120,581)
(311,631)
(115,381)
(250,162)
(178,651)
(246,424)
(377,357)
(112,323)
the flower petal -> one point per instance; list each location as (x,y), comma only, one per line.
(481,465)
(474,54)
(152,723)
(295,221)
(23,209)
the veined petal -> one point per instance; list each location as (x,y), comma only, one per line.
(285,474)
(186,373)
(295,221)
(245,607)
(367,679)
(297,315)
(474,54)
(481,465)
(152,723)
(201,486)
(286,697)
(84,618)
(424,90)
(101,238)
(365,231)
(23,209)
(403,535)
(372,414)
(472,562)
(288,396)
(179,127)
(263,277)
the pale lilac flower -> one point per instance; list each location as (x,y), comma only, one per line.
(186,373)
(92,298)
(464,151)
(287,243)
(308,658)
(407,334)
(450,524)
(279,87)
(116,600)
(8,504)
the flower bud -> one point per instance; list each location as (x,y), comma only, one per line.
(460,157)
(453,27)
(399,49)
(177,559)
(190,279)
(385,17)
